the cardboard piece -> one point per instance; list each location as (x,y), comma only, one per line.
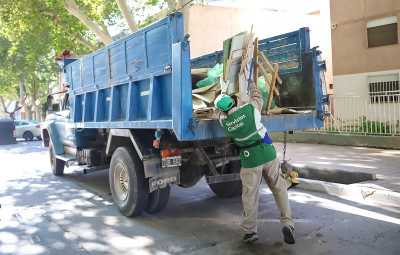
(233,78)
(228,65)
(227,50)
(205,113)
(239,45)
(206,94)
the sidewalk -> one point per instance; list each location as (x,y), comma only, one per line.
(384,163)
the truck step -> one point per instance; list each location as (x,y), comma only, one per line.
(66,157)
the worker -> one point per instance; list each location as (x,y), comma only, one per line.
(258,158)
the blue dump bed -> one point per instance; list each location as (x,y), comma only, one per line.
(143,81)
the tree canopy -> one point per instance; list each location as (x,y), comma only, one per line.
(33,32)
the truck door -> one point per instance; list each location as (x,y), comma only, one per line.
(64,125)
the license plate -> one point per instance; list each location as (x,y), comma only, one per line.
(171,161)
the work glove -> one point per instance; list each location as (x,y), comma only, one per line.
(224,85)
(247,71)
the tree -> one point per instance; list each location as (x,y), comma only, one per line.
(23,62)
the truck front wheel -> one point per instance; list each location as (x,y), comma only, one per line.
(129,187)
(57,165)
(228,189)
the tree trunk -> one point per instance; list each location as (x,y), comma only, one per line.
(12,115)
(126,12)
(186,12)
(28,112)
(71,6)
(4,108)
(171,6)
(38,116)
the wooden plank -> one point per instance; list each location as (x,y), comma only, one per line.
(271,89)
(255,62)
(268,65)
(266,77)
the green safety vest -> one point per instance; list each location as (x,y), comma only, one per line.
(245,127)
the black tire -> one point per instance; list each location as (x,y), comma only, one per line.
(39,138)
(228,189)
(129,187)
(57,165)
(28,136)
(158,200)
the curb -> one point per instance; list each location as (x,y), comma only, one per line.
(361,193)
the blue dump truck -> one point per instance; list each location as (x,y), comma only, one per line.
(129,109)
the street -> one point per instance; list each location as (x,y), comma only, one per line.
(75,214)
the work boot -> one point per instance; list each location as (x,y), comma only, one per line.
(249,238)
(288,234)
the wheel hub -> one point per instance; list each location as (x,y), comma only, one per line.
(121,182)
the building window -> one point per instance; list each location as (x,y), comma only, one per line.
(330,86)
(384,88)
(382,32)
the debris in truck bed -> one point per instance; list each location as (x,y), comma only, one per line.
(198,75)
(212,76)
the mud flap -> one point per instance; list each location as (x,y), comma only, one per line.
(166,176)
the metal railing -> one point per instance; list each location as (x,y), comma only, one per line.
(374,113)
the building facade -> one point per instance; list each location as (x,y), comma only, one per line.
(365,58)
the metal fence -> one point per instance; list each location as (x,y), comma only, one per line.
(374,113)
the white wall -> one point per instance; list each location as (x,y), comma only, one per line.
(356,83)
(347,109)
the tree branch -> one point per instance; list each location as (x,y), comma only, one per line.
(66,29)
(104,27)
(14,94)
(29,90)
(126,12)
(71,7)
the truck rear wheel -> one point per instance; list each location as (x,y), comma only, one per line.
(129,187)
(228,189)
(158,200)
(57,165)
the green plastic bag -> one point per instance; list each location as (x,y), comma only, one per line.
(262,85)
(212,76)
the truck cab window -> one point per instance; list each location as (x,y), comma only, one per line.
(66,105)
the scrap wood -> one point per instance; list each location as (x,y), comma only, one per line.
(271,89)
(268,65)
(244,62)
(255,59)
(229,62)
(266,77)
(249,42)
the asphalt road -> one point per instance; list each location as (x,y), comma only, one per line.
(75,214)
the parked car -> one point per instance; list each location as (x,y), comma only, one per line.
(7,132)
(28,129)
